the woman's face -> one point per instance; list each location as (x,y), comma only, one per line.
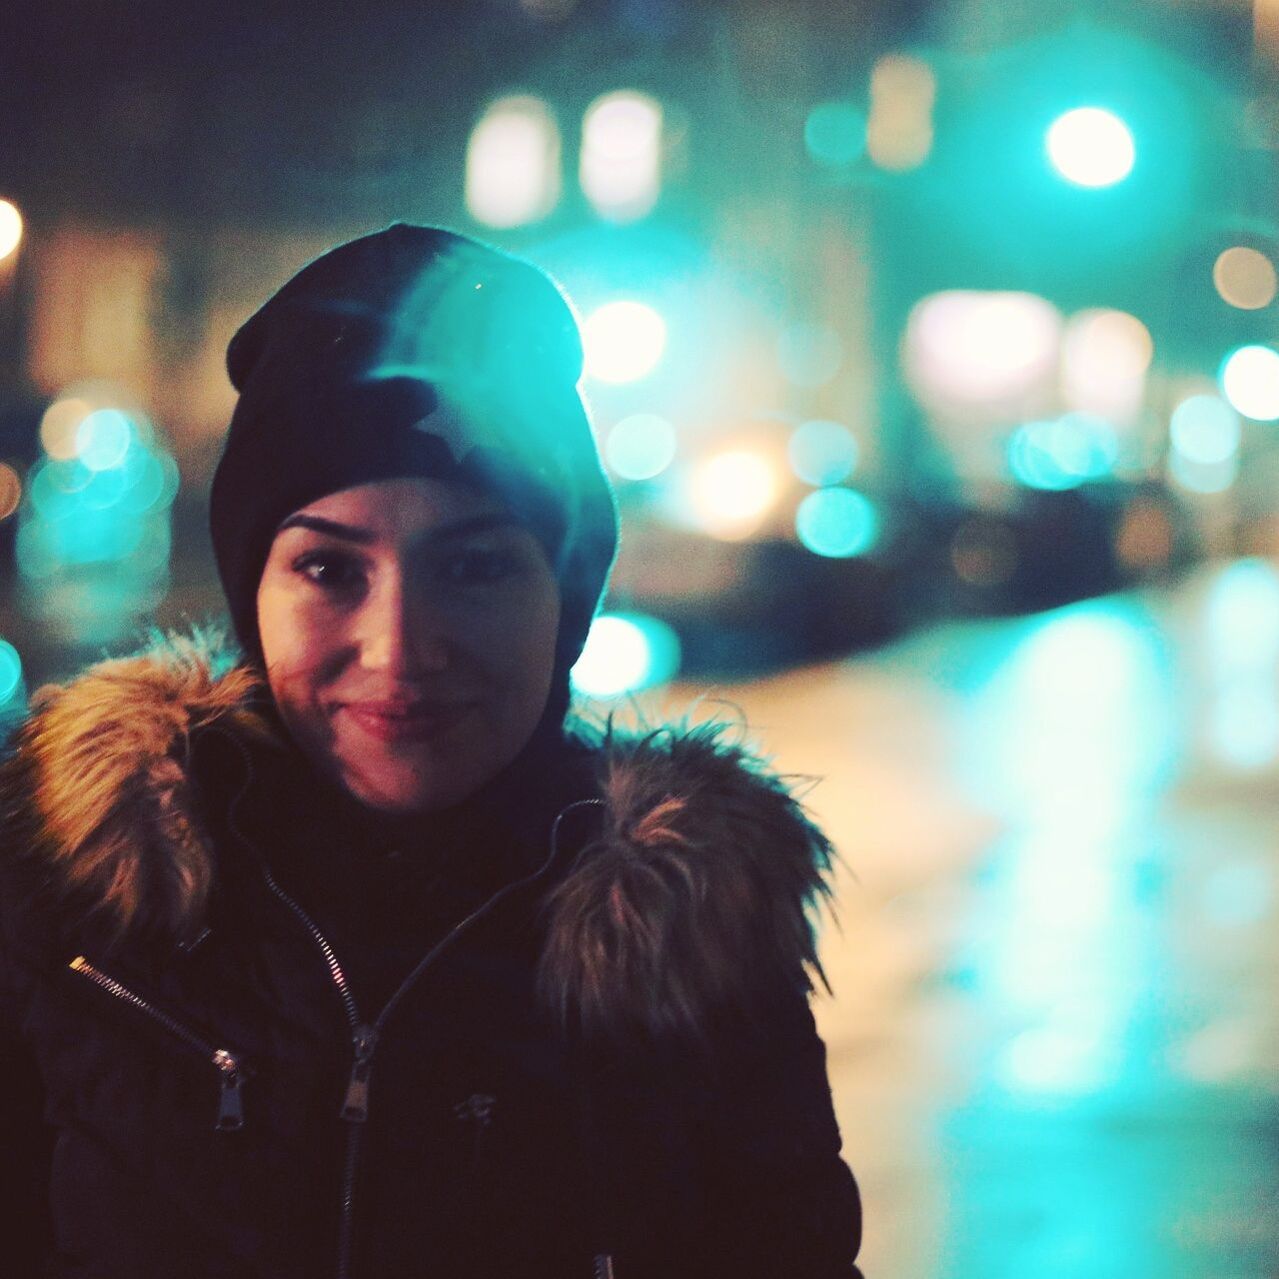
(409,631)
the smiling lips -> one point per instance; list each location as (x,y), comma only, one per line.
(406,721)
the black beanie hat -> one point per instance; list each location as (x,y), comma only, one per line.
(414,351)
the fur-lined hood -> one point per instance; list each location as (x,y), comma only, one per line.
(704,867)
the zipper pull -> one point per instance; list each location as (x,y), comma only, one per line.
(355,1109)
(230,1104)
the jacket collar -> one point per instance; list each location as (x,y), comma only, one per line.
(700,876)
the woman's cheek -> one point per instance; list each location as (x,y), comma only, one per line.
(296,692)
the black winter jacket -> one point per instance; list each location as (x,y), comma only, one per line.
(562,1033)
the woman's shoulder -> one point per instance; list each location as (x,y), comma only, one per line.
(700,881)
(97,788)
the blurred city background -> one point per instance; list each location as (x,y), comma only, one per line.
(934,352)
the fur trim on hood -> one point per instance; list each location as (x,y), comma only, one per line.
(702,874)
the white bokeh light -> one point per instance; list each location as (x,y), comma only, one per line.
(623,341)
(970,349)
(1091,147)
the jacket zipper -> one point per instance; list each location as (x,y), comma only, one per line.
(365,1036)
(230,1066)
(355,1104)
(364,1041)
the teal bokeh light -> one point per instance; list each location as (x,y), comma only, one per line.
(640,446)
(1203,477)
(1205,429)
(1242,616)
(103,438)
(1091,147)
(1062,453)
(992,204)
(822,453)
(835,133)
(10,673)
(1243,724)
(624,653)
(837,523)
(93,538)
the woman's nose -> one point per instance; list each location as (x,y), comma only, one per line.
(401,635)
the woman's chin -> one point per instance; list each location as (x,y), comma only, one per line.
(400,790)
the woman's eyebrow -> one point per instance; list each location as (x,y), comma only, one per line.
(331,528)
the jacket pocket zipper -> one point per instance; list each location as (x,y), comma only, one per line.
(229,1065)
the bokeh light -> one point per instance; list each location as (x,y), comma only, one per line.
(1241,617)
(1250,379)
(899,132)
(822,453)
(1205,429)
(1091,147)
(623,341)
(1243,724)
(640,446)
(10,673)
(102,439)
(59,425)
(1241,642)
(731,493)
(1052,1059)
(10,490)
(1245,278)
(837,522)
(513,163)
(1105,355)
(93,537)
(10,228)
(1144,538)
(981,349)
(1063,452)
(621,154)
(835,133)
(624,653)
(1202,477)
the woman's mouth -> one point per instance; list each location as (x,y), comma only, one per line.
(406,721)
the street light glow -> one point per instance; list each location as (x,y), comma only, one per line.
(10,228)
(1091,147)
(732,492)
(624,653)
(513,163)
(621,156)
(1250,379)
(623,341)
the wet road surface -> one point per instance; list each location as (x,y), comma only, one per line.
(1054,1039)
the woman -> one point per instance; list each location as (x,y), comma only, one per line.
(348,957)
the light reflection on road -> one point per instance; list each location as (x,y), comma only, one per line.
(1055,1040)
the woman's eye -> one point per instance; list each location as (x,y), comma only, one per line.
(329,570)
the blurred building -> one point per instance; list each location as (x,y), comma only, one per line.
(891,310)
